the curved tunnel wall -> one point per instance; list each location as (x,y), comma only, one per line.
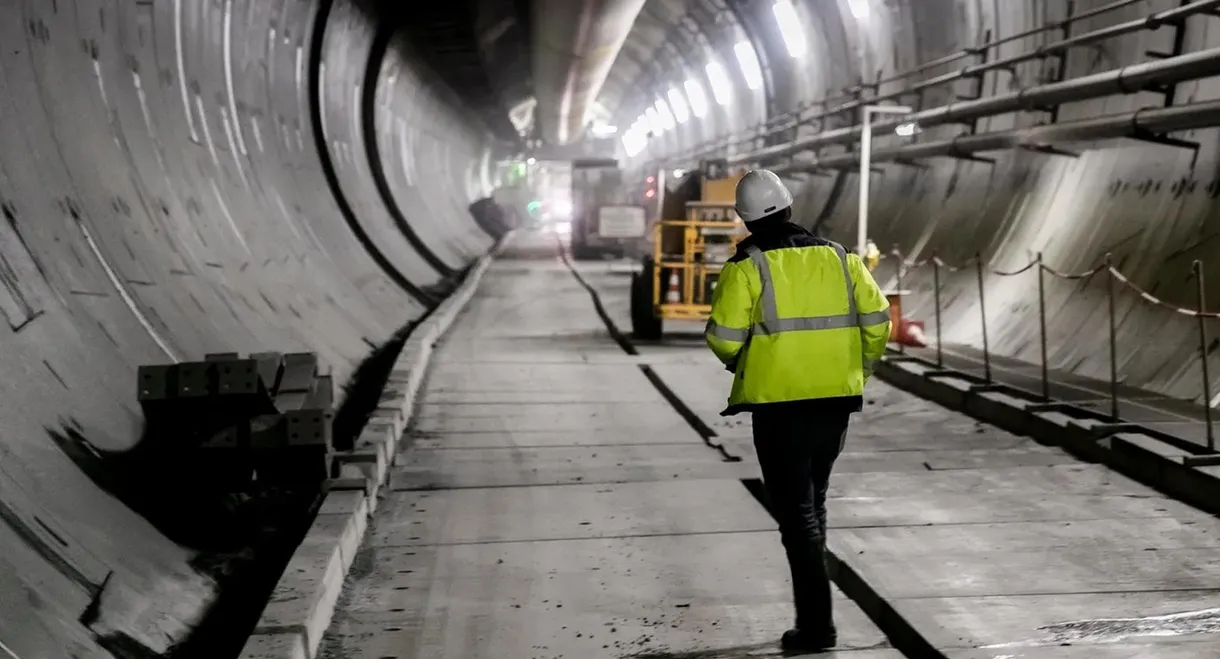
(1152,206)
(163,197)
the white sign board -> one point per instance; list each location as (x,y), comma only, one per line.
(621,222)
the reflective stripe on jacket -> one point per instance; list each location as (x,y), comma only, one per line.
(797,323)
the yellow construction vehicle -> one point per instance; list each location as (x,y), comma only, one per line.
(678,277)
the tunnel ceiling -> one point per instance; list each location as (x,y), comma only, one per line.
(479,48)
(669,42)
(632,68)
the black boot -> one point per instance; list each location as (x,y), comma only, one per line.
(796,640)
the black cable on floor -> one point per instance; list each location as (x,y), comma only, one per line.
(902,634)
(696,423)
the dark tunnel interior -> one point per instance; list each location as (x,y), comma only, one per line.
(181,178)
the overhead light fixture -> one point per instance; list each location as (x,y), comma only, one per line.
(532,161)
(604,130)
(907,129)
(654,120)
(667,117)
(561,208)
(681,112)
(859,8)
(790,28)
(634,141)
(722,87)
(644,127)
(750,68)
(679,173)
(698,99)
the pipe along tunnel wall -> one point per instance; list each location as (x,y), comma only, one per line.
(1151,204)
(164,196)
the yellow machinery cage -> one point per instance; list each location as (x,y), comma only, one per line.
(689,255)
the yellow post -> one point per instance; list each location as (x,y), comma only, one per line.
(872,256)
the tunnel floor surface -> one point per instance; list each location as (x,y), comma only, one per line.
(553,504)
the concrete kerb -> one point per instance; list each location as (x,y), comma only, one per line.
(1141,457)
(304,599)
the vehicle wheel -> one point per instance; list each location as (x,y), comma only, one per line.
(645,324)
(580,252)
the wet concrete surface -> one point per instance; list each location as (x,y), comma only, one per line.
(587,521)
(991,545)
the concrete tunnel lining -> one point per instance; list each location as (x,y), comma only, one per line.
(163,197)
(151,216)
(1149,204)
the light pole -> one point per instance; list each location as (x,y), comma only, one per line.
(866,165)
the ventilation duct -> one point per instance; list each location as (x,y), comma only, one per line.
(575,43)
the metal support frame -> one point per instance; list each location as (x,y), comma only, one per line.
(1164,140)
(1049,150)
(980,79)
(1144,135)
(1170,91)
(1069,11)
(1175,16)
(973,158)
(1201,293)
(866,148)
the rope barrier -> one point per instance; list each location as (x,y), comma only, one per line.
(1072,275)
(1193,313)
(980,268)
(1014,273)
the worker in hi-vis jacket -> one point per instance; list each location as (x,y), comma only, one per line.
(800,322)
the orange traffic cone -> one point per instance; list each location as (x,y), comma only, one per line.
(674,296)
(912,334)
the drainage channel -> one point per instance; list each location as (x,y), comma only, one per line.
(245,591)
(902,635)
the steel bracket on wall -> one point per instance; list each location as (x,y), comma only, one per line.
(1165,140)
(813,169)
(1049,150)
(1177,48)
(973,158)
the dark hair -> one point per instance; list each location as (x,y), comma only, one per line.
(778,217)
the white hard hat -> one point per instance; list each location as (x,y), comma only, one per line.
(760,193)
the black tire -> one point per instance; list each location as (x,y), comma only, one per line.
(645,324)
(580,251)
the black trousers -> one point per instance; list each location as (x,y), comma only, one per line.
(797,452)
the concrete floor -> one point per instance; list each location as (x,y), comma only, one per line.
(553,505)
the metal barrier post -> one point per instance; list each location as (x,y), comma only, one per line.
(1046,381)
(902,349)
(1207,383)
(940,351)
(1113,342)
(978,268)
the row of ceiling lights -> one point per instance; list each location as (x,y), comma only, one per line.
(677,107)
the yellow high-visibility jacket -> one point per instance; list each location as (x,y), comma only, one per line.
(796,318)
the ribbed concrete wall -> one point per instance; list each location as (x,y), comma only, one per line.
(1147,204)
(163,197)
(1152,206)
